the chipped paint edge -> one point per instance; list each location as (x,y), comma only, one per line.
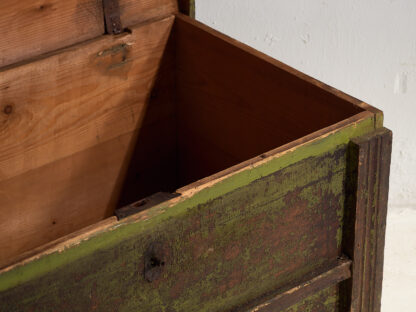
(192,196)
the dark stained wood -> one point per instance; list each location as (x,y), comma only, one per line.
(33,27)
(153,165)
(286,299)
(112,17)
(374,152)
(187,7)
(290,70)
(257,105)
(228,251)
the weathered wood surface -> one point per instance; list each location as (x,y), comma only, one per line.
(216,256)
(297,294)
(68,123)
(323,301)
(33,27)
(187,7)
(373,152)
(107,264)
(247,231)
(134,12)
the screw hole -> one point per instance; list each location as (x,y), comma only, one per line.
(8,109)
(155,262)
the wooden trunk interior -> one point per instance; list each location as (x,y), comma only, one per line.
(109,121)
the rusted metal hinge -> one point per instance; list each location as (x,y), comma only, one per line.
(112,17)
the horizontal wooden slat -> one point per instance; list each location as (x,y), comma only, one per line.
(73,100)
(59,198)
(326,300)
(33,27)
(281,301)
(137,11)
(64,196)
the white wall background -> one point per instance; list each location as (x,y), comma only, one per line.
(366,48)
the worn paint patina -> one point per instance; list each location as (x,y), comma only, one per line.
(324,301)
(227,244)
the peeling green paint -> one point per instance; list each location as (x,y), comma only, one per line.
(324,301)
(259,180)
(192,8)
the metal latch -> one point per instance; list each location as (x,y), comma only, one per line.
(112,17)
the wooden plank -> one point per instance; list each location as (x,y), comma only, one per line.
(373,152)
(61,197)
(220,254)
(33,27)
(296,295)
(75,99)
(283,67)
(18,278)
(280,94)
(73,125)
(257,107)
(134,12)
(323,301)
(62,242)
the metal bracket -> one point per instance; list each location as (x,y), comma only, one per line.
(112,17)
(144,204)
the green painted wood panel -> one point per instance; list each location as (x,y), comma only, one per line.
(218,254)
(222,247)
(326,300)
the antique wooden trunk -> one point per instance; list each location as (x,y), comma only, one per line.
(150,163)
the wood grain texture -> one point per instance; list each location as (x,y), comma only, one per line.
(33,27)
(373,152)
(138,11)
(323,301)
(219,255)
(69,124)
(61,197)
(314,286)
(78,98)
(257,104)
